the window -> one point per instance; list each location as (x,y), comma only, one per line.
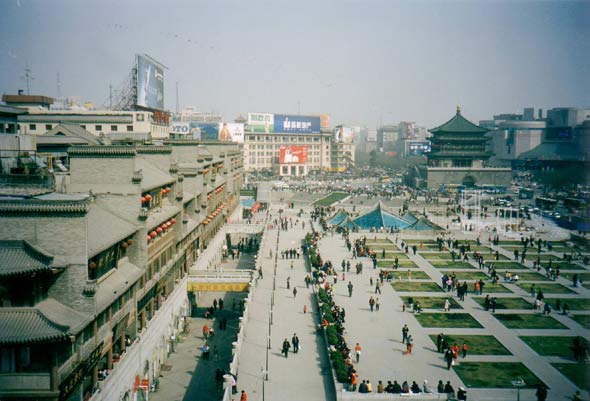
(98,127)
(33,127)
(130,128)
(113,128)
(48,127)
(82,126)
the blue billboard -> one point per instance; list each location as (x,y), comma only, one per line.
(296,124)
(205,131)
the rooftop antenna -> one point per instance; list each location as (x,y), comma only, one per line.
(110,96)
(28,77)
(177,110)
(58,86)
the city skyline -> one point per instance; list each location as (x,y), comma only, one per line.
(362,63)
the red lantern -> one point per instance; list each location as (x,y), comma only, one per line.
(153,234)
(149,238)
(159,230)
(143,199)
(148,197)
(173,221)
(164,226)
(168,224)
(168,190)
(125,245)
(92,265)
(131,242)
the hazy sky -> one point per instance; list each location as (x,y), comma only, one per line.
(364,62)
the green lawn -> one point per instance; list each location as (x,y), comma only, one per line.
(331,198)
(529,321)
(584,320)
(544,258)
(447,320)
(547,288)
(584,276)
(432,302)
(508,266)
(563,265)
(490,288)
(490,257)
(407,286)
(478,345)
(576,373)
(379,247)
(378,241)
(550,345)
(437,256)
(472,275)
(391,255)
(407,264)
(494,374)
(409,274)
(507,303)
(526,276)
(572,303)
(448,264)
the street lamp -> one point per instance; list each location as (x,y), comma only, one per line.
(517,384)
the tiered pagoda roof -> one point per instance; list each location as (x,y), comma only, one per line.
(459,138)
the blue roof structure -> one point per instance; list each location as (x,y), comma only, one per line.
(425,225)
(338,218)
(379,217)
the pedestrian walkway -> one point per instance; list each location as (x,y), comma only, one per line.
(301,376)
(379,332)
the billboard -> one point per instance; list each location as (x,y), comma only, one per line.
(150,83)
(417,148)
(179,127)
(260,122)
(293,154)
(325,121)
(231,132)
(344,134)
(296,124)
(204,131)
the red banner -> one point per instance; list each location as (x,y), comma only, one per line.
(293,155)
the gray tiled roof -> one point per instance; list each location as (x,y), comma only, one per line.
(26,325)
(120,280)
(72,131)
(63,315)
(105,229)
(152,176)
(19,257)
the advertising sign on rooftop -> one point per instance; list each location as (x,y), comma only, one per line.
(150,83)
(260,122)
(293,154)
(296,124)
(344,134)
(231,132)
(205,131)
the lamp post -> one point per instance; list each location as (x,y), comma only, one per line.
(517,384)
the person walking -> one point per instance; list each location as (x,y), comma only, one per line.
(378,287)
(244,396)
(289,282)
(449,356)
(439,342)
(350,286)
(405,331)
(294,292)
(447,305)
(295,342)
(409,344)
(357,352)
(371,303)
(464,350)
(286,347)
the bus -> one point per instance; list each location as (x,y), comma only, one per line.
(545,203)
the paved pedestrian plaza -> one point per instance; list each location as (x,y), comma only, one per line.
(506,342)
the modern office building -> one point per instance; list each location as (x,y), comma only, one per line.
(293,145)
(94,262)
